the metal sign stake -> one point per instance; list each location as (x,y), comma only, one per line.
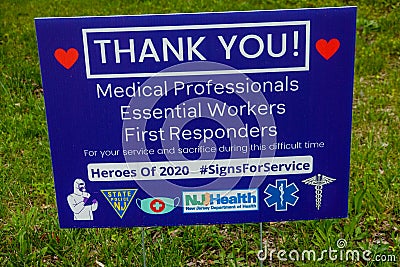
(143,249)
(261,242)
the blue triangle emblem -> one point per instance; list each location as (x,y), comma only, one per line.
(119,199)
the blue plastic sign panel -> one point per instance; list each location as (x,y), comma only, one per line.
(203,118)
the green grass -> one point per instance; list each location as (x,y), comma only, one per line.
(29,231)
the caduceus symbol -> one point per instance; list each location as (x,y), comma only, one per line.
(318,181)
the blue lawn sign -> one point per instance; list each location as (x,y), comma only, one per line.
(203,118)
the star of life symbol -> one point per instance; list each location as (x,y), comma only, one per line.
(318,181)
(281,195)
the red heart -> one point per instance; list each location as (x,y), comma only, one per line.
(66,58)
(327,49)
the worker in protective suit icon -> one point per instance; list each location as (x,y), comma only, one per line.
(78,202)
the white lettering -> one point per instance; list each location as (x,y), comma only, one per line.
(102,49)
(192,48)
(227,47)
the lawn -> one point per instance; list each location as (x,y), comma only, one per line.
(29,230)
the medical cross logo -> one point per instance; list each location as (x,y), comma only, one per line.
(119,199)
(157,205)
(281,195)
